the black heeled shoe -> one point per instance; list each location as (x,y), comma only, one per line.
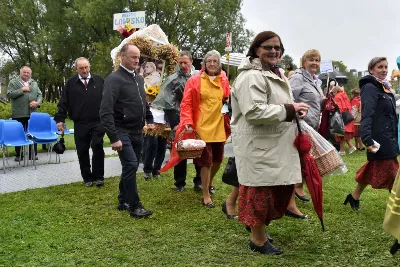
(355,204)
(270,239)
(395,247)
(228,216)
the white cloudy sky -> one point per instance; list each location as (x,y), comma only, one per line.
(353,31)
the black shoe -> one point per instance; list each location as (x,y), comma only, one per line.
(228,216)
(297,216)
(17,159)
(209,204)
(99,183)
(89,184)
(270,239)
(36,158)
(179,188)
(198,187)
(354,204)
(123,206)
(302,198)
(267,248)
(140,212)
(395,247)
(212,190)
(146,176)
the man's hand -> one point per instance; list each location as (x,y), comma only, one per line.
(60,126)
(117,146)
(25,89)
(151,126)
(33,104)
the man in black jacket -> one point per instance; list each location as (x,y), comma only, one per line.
(123,113)
(81,98)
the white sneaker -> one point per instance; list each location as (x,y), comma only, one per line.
(352,149)
(342,153)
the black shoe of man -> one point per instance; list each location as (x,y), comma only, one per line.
(140,212)
(99,183)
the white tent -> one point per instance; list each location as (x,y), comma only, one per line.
(234,59)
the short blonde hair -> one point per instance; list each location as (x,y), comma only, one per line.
(355,91)
(310,54)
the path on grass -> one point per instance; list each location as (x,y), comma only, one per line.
(18,177)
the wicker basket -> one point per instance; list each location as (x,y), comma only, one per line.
(328,162)
(150,98)
(158,130)
(188,153)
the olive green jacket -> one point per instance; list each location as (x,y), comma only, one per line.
(20,100)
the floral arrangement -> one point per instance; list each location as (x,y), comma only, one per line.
(127,30)
(152,90)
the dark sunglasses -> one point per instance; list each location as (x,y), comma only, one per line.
(269,47)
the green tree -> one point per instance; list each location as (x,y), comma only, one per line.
(287,61)
(352,81)
(49,35)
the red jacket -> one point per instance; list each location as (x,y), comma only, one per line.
(189,114)
(343,101)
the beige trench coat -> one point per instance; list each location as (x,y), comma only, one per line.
(262,140)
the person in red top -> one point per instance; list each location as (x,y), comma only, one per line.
(201,106)
(343,101)
(356,111)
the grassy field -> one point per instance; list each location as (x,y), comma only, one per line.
(72,225)
(69,141)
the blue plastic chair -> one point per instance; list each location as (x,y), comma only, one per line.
(40,130)
(14,135)
(39,127)
(55,130)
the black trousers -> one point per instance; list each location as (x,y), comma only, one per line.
(154,153)
(180,171)
(129,157)
(24,122)
(90,135)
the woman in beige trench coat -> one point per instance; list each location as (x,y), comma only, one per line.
(263,132)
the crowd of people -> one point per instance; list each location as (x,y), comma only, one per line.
(265,103)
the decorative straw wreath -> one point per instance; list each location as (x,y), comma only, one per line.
(167,52)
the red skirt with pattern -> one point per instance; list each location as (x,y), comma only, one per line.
(356,130)
(260,205)
(379,174)
(347,136)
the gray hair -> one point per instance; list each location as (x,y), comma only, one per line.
(212,53)
(24,67)
(374,62)
(185,53)
(79,59)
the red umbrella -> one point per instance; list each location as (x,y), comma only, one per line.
(310,172)
(328,107)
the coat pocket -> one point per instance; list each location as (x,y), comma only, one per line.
(265,153)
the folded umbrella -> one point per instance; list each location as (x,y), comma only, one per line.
(310,172)
(59,147)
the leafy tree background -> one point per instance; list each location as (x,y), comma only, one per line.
(49,35)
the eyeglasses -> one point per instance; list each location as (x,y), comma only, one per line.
(212,61)
(270,47)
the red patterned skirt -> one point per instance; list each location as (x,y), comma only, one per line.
(347,136)
(356,130)
(260,205)
(378,173)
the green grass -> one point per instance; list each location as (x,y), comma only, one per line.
(69,141)
(71,225)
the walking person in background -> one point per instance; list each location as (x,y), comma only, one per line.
(306,88)
(123,113)
(343,101)
(80,100)
(169,99)
(378,126)
(25,97)
(263,132)
(356,112)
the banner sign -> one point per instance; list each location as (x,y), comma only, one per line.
(136,19)
(326,66)
(228,43)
